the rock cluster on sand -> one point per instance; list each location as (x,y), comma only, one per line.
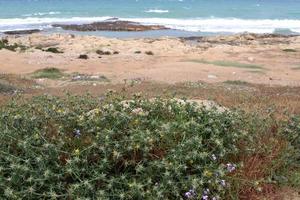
(110,26)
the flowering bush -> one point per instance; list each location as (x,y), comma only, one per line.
(111,148)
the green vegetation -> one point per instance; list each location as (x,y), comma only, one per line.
(100,52)
(50,49)
(228,64)
(78,147)
(4,44)
(289,50)
(6,88)
(50,73)
(53,50)
(236,82)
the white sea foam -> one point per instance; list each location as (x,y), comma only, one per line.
(156,11)
(41,14)
(231,25)
(214,25)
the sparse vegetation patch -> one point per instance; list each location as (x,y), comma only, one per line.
(50,73)
(228,64)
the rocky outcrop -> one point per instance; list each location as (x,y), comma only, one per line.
(242,39)
(22,32)
(110,26)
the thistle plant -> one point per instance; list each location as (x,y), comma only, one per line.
(81,147)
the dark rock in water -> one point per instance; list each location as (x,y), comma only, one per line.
(22,32)
(83,56)
(110,25)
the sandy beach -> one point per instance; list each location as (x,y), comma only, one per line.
(264,59)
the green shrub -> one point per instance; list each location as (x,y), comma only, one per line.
(236,82)
(6,88)
(51,73)
(289,50)
(82,147)
(4,44)
(53,50)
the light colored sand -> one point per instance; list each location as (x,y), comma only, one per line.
(170,62)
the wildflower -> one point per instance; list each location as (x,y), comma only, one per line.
(76,152)
(223,183)
(231,167)
(77,133)
(139,111)
(205,197)
(190,194)
(214,157)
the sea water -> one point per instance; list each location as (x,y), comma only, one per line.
(193,16)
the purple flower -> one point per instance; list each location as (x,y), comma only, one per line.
(231,167)
(205,197)
(77,133)
(190,194)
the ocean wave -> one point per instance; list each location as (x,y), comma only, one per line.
(230,25)
(156,11)
(42,14)
(213,25)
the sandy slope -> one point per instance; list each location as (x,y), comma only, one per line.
(174,59)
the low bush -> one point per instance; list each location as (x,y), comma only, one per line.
(53,50)
(50,73)
(82,147)
(4,44)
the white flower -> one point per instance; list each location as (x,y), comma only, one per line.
(139,111)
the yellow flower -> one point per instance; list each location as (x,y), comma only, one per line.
(207,173)
(77,152)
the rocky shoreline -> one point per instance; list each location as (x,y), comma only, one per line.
(22,32)
(110,26)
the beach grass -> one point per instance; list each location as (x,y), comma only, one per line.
(224,63)
(289,50)
(236,82)
(50,73)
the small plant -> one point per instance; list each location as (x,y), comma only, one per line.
(236,82)
(50,73)
(137,52)
(83,56)
(53,50)
(150,53)
(6,88)
(4,44)
(289,50)
(100,52)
